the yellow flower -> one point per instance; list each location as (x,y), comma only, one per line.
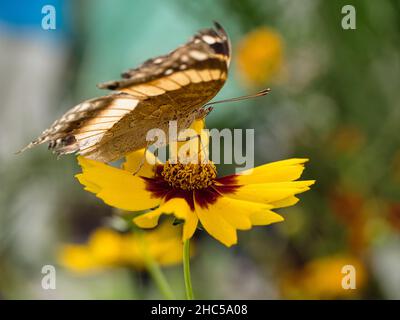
(193,193)
(107,248)
(260,55)
(322,279)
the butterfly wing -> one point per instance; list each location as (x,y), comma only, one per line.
(204,57)
(83,126)
(170,87)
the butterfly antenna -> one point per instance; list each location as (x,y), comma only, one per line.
(251,96)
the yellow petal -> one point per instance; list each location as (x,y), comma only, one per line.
(263,218)
(287,202)
(170,252)
(254,212)
(222,218)
(105,246)
(235,212)
(190,225)
(216,226)
(279,171)
(198,125)
(163,244)
(146,163)
(77,258)
(89,186)
(270,192)
(177,206)
(116,187)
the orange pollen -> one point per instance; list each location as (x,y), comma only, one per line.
(189,176)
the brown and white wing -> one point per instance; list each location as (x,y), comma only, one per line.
(169,87)
(205,58)
(83,126)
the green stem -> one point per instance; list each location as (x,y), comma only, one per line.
(159,279)
(186,270)
(157,275)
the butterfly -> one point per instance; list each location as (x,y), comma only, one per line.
(171,87)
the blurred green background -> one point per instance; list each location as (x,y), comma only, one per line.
(335,99)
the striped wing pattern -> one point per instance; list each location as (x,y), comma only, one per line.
(174,86)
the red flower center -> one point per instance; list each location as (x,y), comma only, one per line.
(192,182)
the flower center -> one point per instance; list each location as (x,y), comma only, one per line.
(189,176)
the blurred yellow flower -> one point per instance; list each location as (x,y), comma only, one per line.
(193,193)
(108,248)
(260,55)
(322,279)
